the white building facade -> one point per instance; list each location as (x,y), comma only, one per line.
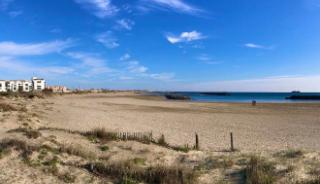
(3,87)
(35,84)
(38,84)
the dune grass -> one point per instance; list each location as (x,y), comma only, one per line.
(4,107)
(101,135)
(28,132)
(259,171)
(154,174)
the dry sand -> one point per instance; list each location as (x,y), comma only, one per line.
(260,128)
(264,130)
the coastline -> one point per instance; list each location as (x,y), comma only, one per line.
(243,97)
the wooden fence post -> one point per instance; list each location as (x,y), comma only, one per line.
(151,136)
(231,141)
(181,176)
(197,142)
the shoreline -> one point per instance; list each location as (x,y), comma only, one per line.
(159,97)
(234,97)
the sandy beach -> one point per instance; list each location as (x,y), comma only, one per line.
(259,128)
(51,140)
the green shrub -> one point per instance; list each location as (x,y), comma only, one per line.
(292,153)
(139,161)
(104,148)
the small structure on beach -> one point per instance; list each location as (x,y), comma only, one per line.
(59,89)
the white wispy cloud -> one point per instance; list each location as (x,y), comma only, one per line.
(108,39)
(91,63)
(100,8)
(136,67)
(135,70)
(125,24)
(204,58)
(175,5)
(15,13)
(185,37)
(125,57)
(55,30)
(12,65)
(10,48)
(163,76)
(257,46)
(4,4)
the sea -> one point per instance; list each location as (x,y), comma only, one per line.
(240,97)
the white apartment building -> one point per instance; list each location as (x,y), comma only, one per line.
(35,84)
(38,84)
(3,86)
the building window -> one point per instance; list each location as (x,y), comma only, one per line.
(39,87)
(0,85)
(38,81)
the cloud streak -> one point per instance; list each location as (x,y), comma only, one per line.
(135,70)
(257,46)
(204,58)
(126,24)
(185,37)
(4,4)
(92,64)
(9,48)
(100,8)
(11,64)
(176,5)
(108,40)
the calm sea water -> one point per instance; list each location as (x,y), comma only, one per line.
(245,97)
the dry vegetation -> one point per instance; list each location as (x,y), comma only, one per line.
(249,169)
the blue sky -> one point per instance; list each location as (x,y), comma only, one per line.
(231,45)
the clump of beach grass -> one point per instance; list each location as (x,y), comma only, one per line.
(154,174)
(291,153)
(17,144)
(101,134)
(4,107)
(186,148)
(67,177)
(4,152)
(104,148)
(29,132)
(77,150)
(210,163)
(259,171)
(315,180)
(162,141)
(139,161)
